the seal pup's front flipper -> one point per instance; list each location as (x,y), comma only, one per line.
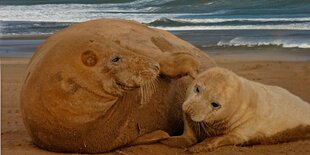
(187,139)
(210,144)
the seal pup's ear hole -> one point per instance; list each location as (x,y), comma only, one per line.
(89,58)
(197,89)
(215,105)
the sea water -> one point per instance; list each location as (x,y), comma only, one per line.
(205,23)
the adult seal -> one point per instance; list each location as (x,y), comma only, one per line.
(222,108)
(103,84)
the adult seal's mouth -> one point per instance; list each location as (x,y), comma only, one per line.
(126,87)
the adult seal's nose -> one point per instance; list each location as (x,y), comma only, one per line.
(155,67)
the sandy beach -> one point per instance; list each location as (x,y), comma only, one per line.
(83,99)
(292,75)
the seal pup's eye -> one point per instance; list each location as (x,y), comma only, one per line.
(215,105)
(115,58)
(197,89)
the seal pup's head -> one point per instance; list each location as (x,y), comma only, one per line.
(211,96)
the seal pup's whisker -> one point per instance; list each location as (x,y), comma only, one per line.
(206,128)
(210,129)
(198,127)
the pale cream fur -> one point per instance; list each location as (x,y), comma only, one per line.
(249,110)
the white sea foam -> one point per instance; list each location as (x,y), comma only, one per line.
(143,11)
(75,13)
(133,10)
(4,35)
(219,20)
(83,12)
(252,42)
(299,26)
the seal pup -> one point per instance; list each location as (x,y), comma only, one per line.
(222,108)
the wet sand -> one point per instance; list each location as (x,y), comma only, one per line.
(292,75)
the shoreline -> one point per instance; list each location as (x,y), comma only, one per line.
(24,46)
(38,37)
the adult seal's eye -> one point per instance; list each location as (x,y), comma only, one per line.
(215,105)
(116,59)
(197,89)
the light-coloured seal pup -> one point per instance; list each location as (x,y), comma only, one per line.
(104,84)
(222,108)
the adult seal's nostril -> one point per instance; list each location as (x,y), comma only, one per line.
(155,67)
